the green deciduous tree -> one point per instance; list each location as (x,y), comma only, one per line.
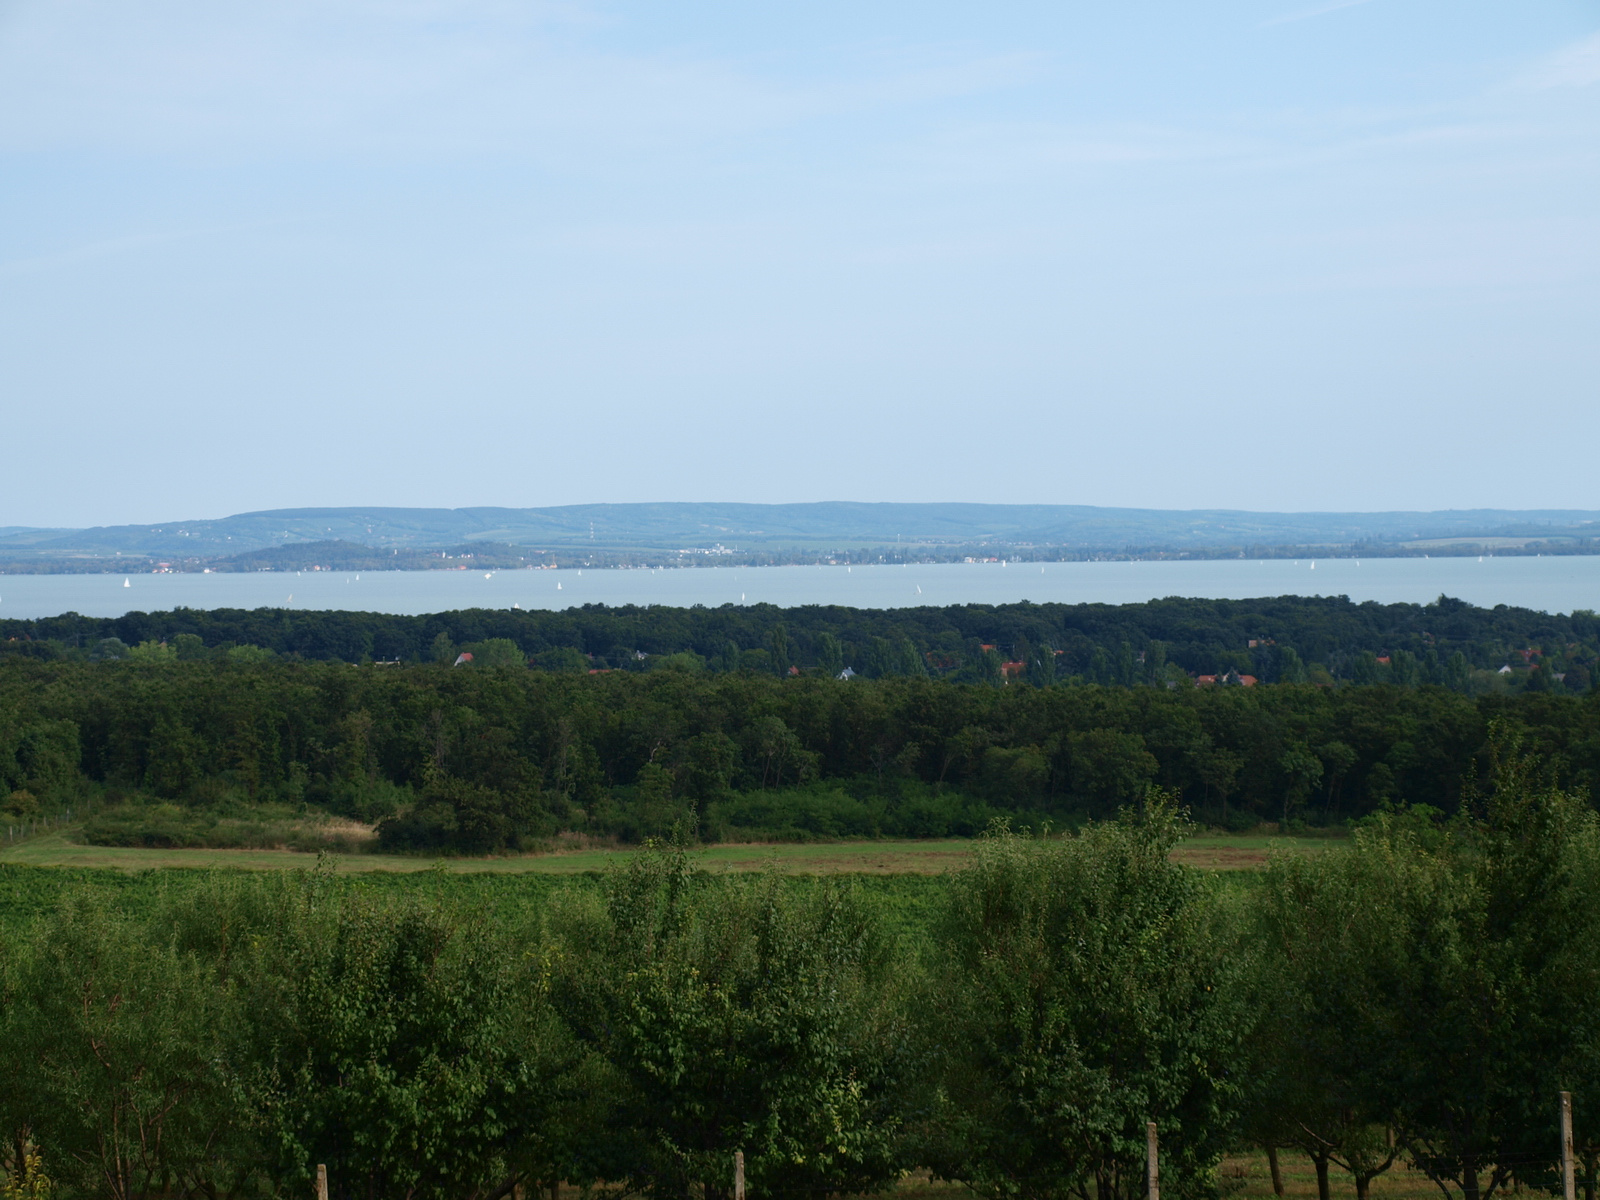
(741,1017)
(1438,982)
(442,649)
(1290,668)
(1328,926)
(1495,999)
(1302,771)
(115,1050)
(405,1044)
(1086,987)
(830,654)
(1109,768)
(497,652)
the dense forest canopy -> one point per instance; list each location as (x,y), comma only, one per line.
(479,758)
(1286,638)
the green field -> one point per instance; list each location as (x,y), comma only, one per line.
(1212,852)
(905,879)
(907,902)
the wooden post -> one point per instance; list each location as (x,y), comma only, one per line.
(1153,1165)
(1568,1183)
(738,1175)
(322,1181)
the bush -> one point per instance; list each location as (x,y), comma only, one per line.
(259,827)
(21,803)
(497,652)
(459,817)
(823,811)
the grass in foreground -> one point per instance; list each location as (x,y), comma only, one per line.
(1248,1176)
(1244,1177)
(1211,852)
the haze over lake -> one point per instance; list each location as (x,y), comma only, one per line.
(1552,584)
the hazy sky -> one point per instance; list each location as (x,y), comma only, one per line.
(1271,254)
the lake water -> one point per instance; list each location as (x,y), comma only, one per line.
(1556,584)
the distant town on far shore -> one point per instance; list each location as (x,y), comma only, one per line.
(698,534)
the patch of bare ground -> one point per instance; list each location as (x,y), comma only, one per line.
(1220,858)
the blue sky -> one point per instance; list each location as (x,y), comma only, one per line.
(1268,254)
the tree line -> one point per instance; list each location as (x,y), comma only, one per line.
(1421,995)
(481,760)
(1291,639)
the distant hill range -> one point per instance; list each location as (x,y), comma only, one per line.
(615,534)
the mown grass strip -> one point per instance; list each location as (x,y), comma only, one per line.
(935,857)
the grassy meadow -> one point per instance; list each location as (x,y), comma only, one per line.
(905,879)
(1217,852)
(1247,1176)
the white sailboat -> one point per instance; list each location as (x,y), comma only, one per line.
(125,583)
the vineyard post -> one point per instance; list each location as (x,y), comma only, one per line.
(738,1175)
(1153,1166)
(1569,1187)
(322,1181)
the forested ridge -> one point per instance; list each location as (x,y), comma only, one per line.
(819,528)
